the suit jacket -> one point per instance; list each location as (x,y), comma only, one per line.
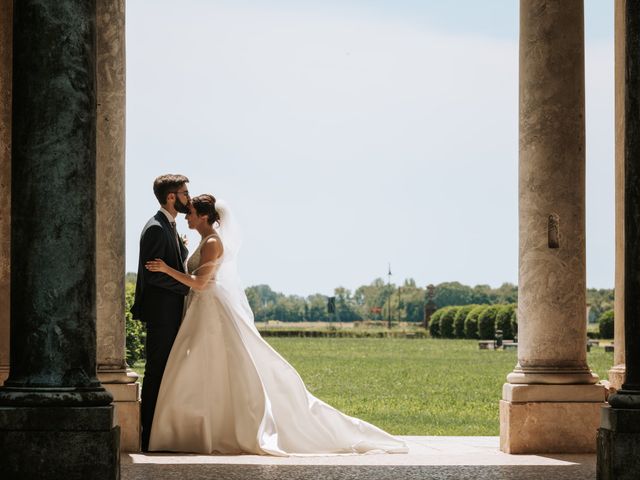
(159,298)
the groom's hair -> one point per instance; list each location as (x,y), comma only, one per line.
(166,184)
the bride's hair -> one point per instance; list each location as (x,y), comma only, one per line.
(205,204)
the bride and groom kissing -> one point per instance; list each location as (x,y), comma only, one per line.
(211,383)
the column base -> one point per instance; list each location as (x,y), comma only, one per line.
(59,442)
(546,376)
(617,376)
(619,444)
(125,389)
(537,419)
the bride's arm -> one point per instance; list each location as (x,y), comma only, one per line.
(210,251)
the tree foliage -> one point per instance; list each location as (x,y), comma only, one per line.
(605,324)
(135,333)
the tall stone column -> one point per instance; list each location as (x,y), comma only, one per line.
(617,373)
(550,403)
(619,434)
(6,46)
(56,420)
(110,233)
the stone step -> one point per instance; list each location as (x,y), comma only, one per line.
(477,458)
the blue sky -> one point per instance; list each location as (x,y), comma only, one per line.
(350,134)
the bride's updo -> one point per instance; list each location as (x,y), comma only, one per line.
(205,204)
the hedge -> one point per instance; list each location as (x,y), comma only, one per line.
(471,322)
(458,321)
(503,320)
(135,332)
(446,322)
(487,323)
(434,323)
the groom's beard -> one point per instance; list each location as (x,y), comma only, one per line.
(180,207)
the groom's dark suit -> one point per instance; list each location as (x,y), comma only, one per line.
(159,302)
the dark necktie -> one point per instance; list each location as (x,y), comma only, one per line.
(175,234)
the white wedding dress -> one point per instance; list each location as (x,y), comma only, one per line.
(226,391)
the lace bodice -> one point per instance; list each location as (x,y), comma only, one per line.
(194,260)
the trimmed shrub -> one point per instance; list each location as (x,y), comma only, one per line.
(458,321)
(605,323)
(471,322)
(503,320)
(134,330)
(446,322)
(487,323)
(434,323)
(514,322)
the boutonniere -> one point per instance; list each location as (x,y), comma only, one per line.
(184,239)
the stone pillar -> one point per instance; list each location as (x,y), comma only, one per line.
(616,374)
(56,420)
(619,434)
(6,46)
(550,403)
(110,232)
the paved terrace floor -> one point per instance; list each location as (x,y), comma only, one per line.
(450,458)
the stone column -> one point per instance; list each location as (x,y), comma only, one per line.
(617,373)
(52,396)
(619,434)
(551,403)
(6,46)
(110,233)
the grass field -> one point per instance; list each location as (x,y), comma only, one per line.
(410,387)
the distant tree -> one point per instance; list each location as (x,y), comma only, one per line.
(452,293)
(262,301)
(372,299)
(346,307)
(507,293)
(483,294)
(413,301)
(317,307)
(600,300)
(606,324)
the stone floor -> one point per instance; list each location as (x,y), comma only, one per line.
(450,458)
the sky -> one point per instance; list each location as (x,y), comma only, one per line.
(347,135)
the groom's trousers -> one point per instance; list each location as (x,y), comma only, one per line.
(158,346)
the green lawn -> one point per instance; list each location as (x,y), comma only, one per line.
(410,387)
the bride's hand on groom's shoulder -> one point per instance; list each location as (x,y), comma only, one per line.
(156,265)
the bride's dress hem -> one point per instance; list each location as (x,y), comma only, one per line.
(226,391)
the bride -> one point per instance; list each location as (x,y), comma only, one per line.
(224,389)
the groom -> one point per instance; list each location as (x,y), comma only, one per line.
(159,299)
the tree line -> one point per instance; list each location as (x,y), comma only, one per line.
(380,300)
(376,301)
